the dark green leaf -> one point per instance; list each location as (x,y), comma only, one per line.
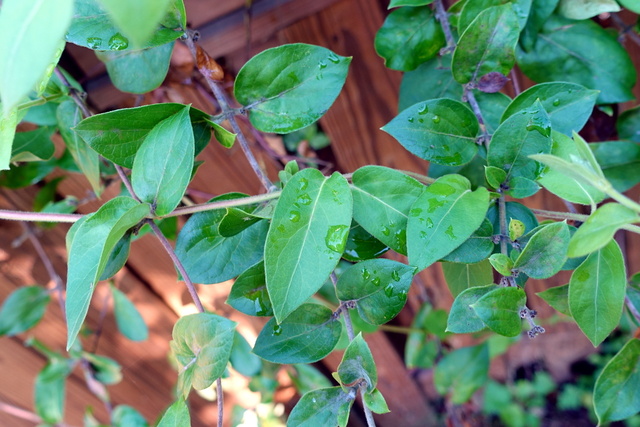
(558,298)
(306,238)
(596,292)
(492,106)
(462,318)
(521,135)
(137,20)
(382,198)
(130,322)
(162,167)
(92,27)
(23,309)
(126,416)
(437,72)
(249,293)
(620,162)
(125,68)
(89,252)
(408,37)
(289,87)
(500,310)
(361,245)
(462,372)
(176,415)
(202,345)
(117,135)
(49,390)
(305,336)
(462,276)
(236,220)
(615,396)
(628,124)
(31,42)
(210,257)
(32,145)
(398,3)
(472,9)
(358,365)
(242,359)
(473,171)
(572,51)
(379,287)
(599,229)
(117,258)
(476,248)
(487,45)
(443,218)
(540,11)
(324,407)
(375,401)
(545,253)
(68,116)
(442,131)
(104,369)
(569,105)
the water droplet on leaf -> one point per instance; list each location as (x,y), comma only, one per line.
(386,231)
(436,119)
(410,119)
(395,275)
(376,281)
(322,65)
(94,42)
(118,42)
(423,110)
(336,237)
(294,216)
(556,102)
(277,330)
(333,58)
(449,232)
(388,290)
(304,199)
(303,184)
(365,274)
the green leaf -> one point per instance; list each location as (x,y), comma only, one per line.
(176,415)
(585,9)
(492,106)
(472,9)
(596,292)
(569,105)
(599,229)
(375,401)
(126,416)
(521,135)
(323,407)
(615,396)
(632,5)
(92,27)
(308,378)
(420,351)
(516,229)
(379,287)
(137,20)
(495,176)
(398,3)
(130,322)
(463,276)
(462,372)
(249,293)
(117,135)
(442,131)
(462,318)
(223,136)
(358,365)
(236,220)
(23,309)
(202,346)
(620,162)
(476,248)
(126,67)
(8,122)
(442,218)
(500,310)
(176,16)
(487,45)
(27,174)
(289,87)
(565,186)
(558,298)
(49,390)
(118,257)
(306,238)
(210,257)
(408,37)
(307,335)
(162,167)
(32,145)
(501,263)
(31,39)
(545,253)
(104,369)
(361,245)
(572,51)
(628,124)
(68,116)
(437,71)
(242,359)
(89,252)
(382,198)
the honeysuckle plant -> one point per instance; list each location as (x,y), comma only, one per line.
(307,253)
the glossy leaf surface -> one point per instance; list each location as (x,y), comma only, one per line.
(323,407)
(23,309)
(249,292)
(379,287)
(137,20)
(382,198)
(442,131)
(596,292)
(289,87)
(545,253)
(361,245)
(307,335)
(500,310)
(306,238)
(442,218)
(128,318)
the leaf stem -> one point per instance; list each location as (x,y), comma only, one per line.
(20,413)
(502,213)
(443,17)
(632,308)
(632,228)
(560,215)
(220,401)
(74,93)
(38,216)
(203,207)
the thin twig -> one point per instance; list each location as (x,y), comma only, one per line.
(443,18)
(515,82)
(20,413)
(632,308)
(626,30)
(203,207)
(220,401)
(167,246)
(125,180)
(74,93)
(560,215)
(38,216)
(475,107)
(502,213)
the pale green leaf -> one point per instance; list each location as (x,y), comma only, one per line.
(323,407)
(585,9)
(128,318)
(462,276)
(136,19)
(23,309)
(176,415)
